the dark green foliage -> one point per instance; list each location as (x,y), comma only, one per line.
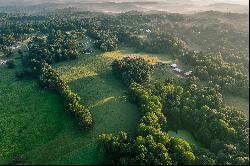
(156,42)
(225,63)
(200,109)
(20,74)
(181,152)
(6,40)
(204,157)
(212,67)
(105,40)
(119,148)
(10,64)
(197,108)
(132,70)
(56,47)
(20,52)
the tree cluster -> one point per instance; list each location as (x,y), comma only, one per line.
(213,68)
(132,69)
(105,40)
(55,47)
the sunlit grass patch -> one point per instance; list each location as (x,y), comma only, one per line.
(75,73)
(237,102)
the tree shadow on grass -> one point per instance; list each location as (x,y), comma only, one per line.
(98,87)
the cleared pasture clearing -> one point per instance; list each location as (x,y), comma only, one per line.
(186,135)
(239,103)
(29,116)
(91,77)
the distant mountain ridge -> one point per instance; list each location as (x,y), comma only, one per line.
(172,6)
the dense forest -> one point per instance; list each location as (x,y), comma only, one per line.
(195,104)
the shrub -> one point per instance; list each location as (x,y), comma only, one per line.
(132,70)
(10,64)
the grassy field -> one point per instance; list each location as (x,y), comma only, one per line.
(29,116)
(239,103)
(91,77)
(184,134)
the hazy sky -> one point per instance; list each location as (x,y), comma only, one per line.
(245,2)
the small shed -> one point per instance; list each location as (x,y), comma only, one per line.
(174,65)
(3,62)
(177,70)
(131,56)
(188,73)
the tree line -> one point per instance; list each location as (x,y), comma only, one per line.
(49,79)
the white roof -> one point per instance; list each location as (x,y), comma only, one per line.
(188,73)
(177,69)
(148,30)
(2,62)
(173,65)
